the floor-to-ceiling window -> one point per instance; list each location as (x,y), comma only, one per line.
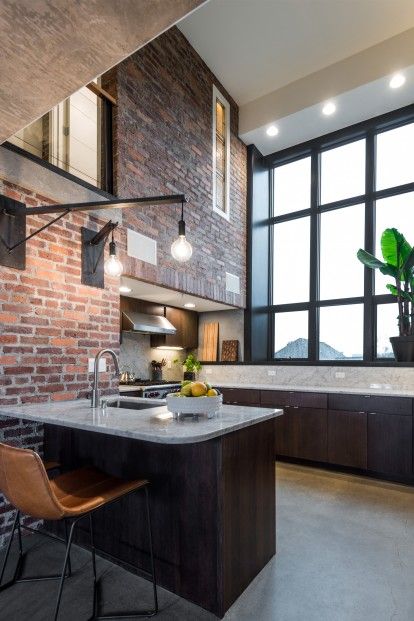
(328,198)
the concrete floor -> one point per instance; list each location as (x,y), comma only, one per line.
(345,553)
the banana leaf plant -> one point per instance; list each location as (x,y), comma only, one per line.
(398,263)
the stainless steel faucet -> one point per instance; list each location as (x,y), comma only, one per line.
(96,392)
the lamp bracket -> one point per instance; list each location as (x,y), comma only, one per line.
(93,246)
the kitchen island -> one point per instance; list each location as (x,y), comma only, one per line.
(212,489)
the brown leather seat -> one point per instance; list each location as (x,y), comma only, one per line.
(24,481)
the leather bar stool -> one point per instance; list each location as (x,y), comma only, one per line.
(69,498)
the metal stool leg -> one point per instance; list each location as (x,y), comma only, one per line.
(63,575)
(16,524)
(154,580)
(69,562)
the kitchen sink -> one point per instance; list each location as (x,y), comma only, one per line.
(132,405)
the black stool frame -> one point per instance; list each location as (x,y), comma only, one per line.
(17,525)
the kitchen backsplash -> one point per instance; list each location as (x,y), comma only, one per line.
(136,354)
(323,376)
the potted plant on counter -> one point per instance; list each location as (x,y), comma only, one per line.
(398,263)
(192,366)
(156,369)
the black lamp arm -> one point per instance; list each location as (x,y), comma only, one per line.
(103,234)
(42,228)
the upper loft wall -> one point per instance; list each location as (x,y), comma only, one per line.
(163,145)
(51,48)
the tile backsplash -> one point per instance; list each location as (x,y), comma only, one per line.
(136,354)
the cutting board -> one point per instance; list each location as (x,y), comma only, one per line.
(210,342)
(230,351)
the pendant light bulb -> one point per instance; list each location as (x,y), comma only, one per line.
(181,249)
(113,266)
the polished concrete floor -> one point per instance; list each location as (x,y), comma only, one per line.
(345,553)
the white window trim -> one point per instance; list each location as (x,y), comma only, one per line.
(217,95)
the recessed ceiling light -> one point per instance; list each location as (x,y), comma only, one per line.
(272,130)
(124,289)
(329,108)
(189,305)
(397,80)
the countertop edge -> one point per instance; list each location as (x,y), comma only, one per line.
(374,391)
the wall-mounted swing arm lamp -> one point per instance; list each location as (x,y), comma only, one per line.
(13,232)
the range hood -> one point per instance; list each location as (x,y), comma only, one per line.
(146,324)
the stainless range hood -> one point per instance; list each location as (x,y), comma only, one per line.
(146,324)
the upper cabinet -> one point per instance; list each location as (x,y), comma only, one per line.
(186,324)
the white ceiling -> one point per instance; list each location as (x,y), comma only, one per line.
(257,46)
(168,297)
(353,106)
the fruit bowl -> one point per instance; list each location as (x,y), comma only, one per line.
(208,406)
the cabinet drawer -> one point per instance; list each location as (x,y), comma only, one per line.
(240,396)
(370,403)
(285,398)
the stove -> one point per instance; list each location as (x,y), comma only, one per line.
(150,389)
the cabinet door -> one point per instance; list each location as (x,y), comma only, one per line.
(240,396)
(283,433)
(347,438)
(390,444)
(309,433)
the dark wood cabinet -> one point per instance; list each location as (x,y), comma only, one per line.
(240,396)
(390,441)
(186,324)
(301,433)
(347,438)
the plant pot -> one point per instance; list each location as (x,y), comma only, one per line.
(189,375)
(403,348)
(156,375)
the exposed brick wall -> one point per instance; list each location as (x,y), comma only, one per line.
(50,324)
(163,145)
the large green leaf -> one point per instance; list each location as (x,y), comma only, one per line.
(369,260)
(395,248)
(405,295)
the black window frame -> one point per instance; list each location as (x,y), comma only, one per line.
(365,130)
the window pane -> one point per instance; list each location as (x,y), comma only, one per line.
(343,172)
(395,157)
(292,184)
(341,332)
(291,261)
(342,233)
(387,325)
(394,212)
(291,335)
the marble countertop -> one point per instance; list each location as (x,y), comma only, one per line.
(373,389)
(151,425)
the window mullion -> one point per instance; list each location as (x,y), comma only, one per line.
(313,334)
(369,307)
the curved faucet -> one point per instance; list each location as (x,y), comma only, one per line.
(96,391)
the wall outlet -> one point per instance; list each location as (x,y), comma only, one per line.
(169,364)
(102,365)
(271,372)
(339,374)
(208,371)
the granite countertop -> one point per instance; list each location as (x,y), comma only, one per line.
(373,389)
(152,424)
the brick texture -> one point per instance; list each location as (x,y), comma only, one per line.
(163,145)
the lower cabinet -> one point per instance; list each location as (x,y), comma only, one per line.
(390,444)
(302,433)
(240,396)
(347,438)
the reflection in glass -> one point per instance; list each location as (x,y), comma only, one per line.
(341,332)
(291,261)
(292,186)
(343,172)
(341,274)
(291,335)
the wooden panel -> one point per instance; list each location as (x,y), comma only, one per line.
(240,396)
(301,433)
(230,351)
(370,403)
(292,398)
(209,345)
(249,516)
(347,438)
(390,443)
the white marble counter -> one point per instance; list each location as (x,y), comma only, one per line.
(374,389)
(152,424)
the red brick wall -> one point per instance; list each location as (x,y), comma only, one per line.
(163,145)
